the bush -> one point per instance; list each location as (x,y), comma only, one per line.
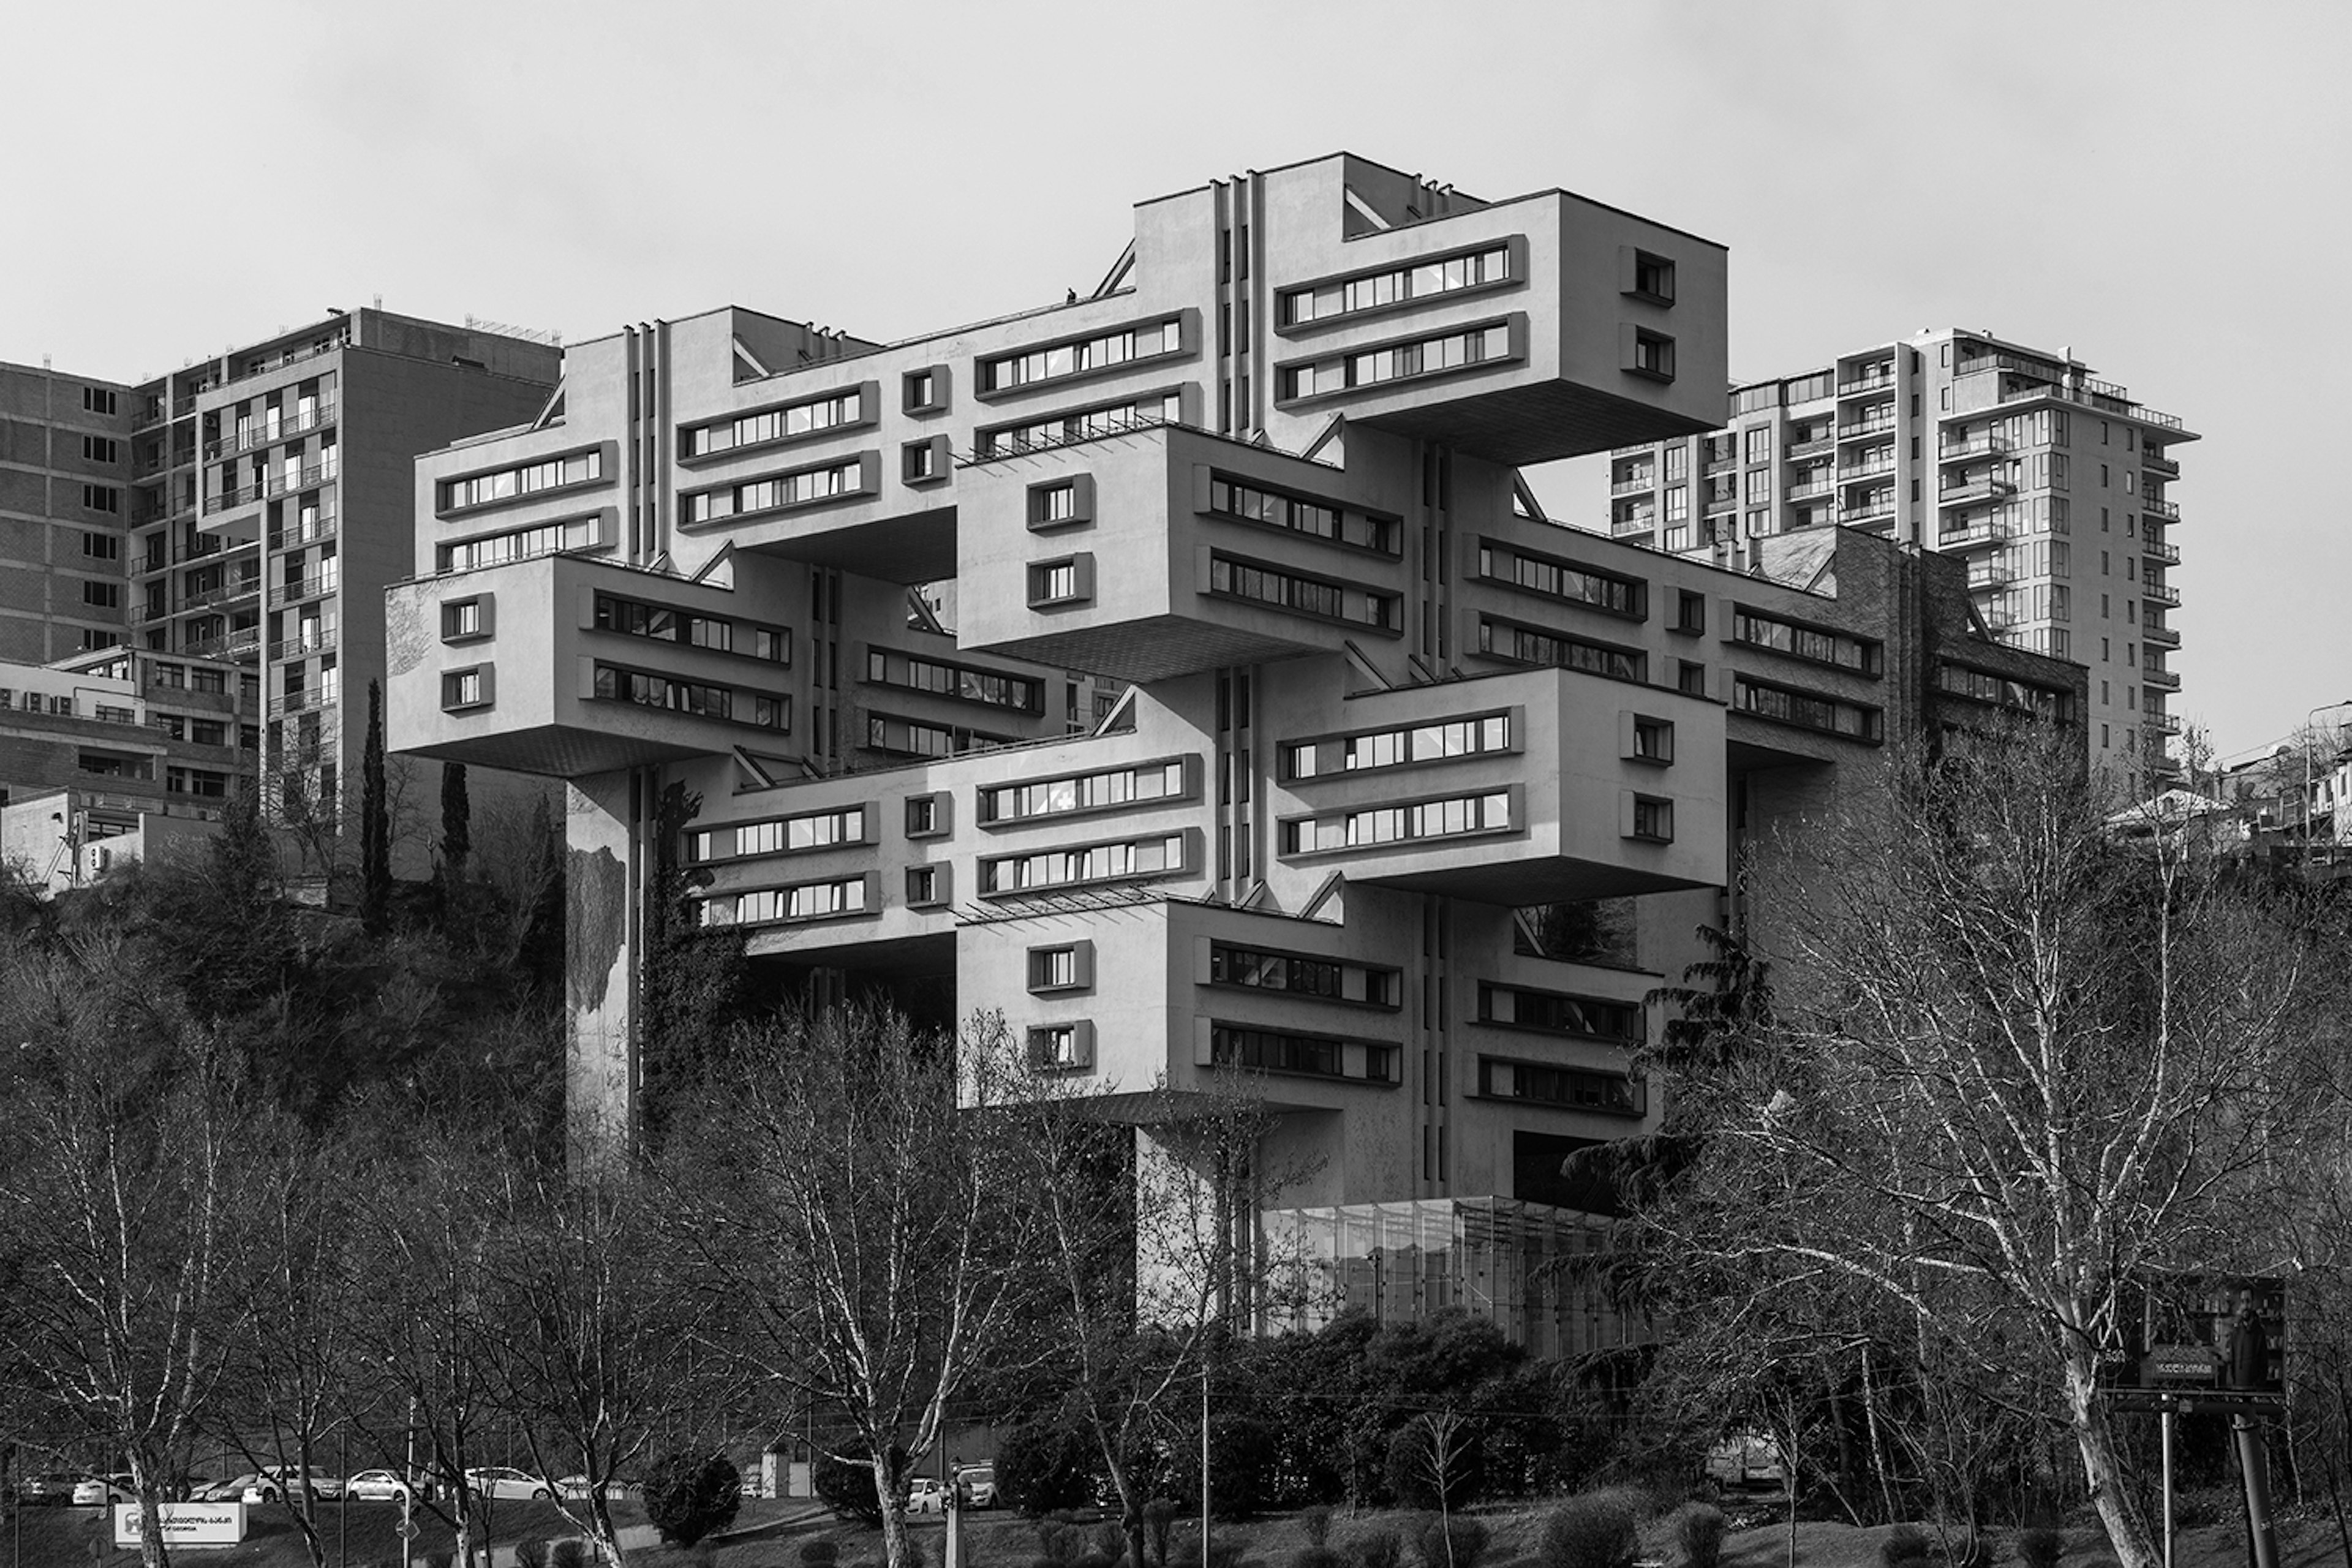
(1410,1470)
(1969,1550)
(1596,1530)
(845,1483)
(689,1496)
(820,1552)
(1378,1548)
(569,1553)
(532,1553)
(1698,1531)
(1319,1557)
(1903,1544)
(1317,1522)
(1043,1467)
(1453,1544)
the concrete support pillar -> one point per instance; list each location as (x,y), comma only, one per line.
(606,864)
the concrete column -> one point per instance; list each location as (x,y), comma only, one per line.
(603,932)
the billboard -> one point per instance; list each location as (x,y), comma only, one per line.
(2184,1333)
(182,1523)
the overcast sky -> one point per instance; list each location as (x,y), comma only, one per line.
(2162,188)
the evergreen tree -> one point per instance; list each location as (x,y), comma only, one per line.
(457,820)
(375,822)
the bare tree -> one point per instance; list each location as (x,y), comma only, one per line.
(2014,1066)
(516,851)
(119,1204)
(874,1227)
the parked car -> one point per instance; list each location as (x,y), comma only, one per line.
(52,1490)
(93,1491)
(574,1488)
(977,1485)
(273,1483)
(502,1483)
(375,1486)
(925,1494)
(229,1490)
(1747,1460)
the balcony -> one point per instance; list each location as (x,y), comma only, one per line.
(285,357)
(2162,724)
(2161,679)
(1983,535)
(1714,465)
(1866,514)
(1640,484)
(1879,379)
(1976,491)
(206,546)
(1983,445)
(1810,447)
(309,534)
(227,593)
(2161,593)
(315,586)
(252,435)
(2162,554)
(2160,636)
(149,564)
(1716,505)
(235,645)
(1987,574)
(1865,470)
(2162,466)
(1631,528)
(321,641)
(2152,506)
(1812,489)
(301,702)
(1864,430)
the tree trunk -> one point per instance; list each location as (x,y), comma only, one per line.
(152,1553)
(894,1508)
(2119,1512)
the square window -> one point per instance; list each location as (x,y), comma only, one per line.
(1653,819)
(466,688)
(1654,277)
(464,619)
(1654,741)
(925,391)
(1690,613)
(1062,503)
(1069,966)
(926,886)
(1690,679)
(97,400)
(1061,1048)
(1065,582)
(922,462)
(1651,354)
(927,816)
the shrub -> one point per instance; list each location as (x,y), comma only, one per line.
(1317,1522)
(1091,1556)
(1698,1531)
(1969,1550)
(2040,1548)
(569,1553)
(532,1553)
(1319,1557)
(1453,1544)
(689,1496)
(1596,1530)
(1411,1468)
(843,1482)
(820,1552)
(1378,1548)
(1903,1544)
(1159,1519)
(1044,1468)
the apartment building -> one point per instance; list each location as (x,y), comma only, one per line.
(64,469)
(1357,706)
(2051,484)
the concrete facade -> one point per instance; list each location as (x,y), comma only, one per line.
(1349,707)
(2051,484)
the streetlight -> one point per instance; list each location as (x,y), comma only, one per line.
(2308,714)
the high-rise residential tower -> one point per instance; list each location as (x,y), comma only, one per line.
(2051,484)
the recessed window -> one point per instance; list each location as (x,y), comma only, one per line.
(98,449)
(1690,613)
(102,497)
(926,886)
(1653,278)
(1652,820)
(924,390)
(465,618)
(1067,967)
(102,546)
(923,462)
(104,595)
(1649,740)
(466,688)
(927,816)
(1061,1048)
(1065,582)
(1062,503)
(1650,353)
(97,400)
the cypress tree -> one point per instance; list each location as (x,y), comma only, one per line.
(457,820)
(375,822)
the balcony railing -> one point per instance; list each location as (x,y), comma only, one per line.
(302,646)
(226,593)
(1975,536)
(209,545)
(1866,430)
(2161,593)
(1641,485)
(1983,445)
(2163,468)
(276,484)
(233,645)
(1814,489)
(1877,381)
(1811,446)
(1862,514)
(2163,724)
(2169,511)
(1865,470)
(301,422)
(306,534)
(2162,679)
(2160,636)
(285,357)
(2166,554)
(1621,527)
(1987,574)
(1719,464)
(1714,504)
(301,702)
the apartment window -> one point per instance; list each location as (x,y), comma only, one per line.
(1805,711)
(913,738)
(1649,740)
(101,546)
(102,497)
(927,816)
(1062,503)
(466,688)
(926,886)
(465,618)
(1453,816)
(1652,278)
(1065,582)
(1379,290)
(1246,502)
(1652,819)
(1443,741)
(1083,356)
(1573,1088)
(1503,639)
(1160,855)
(1232,577)
(1809,643)
(507,484)
(1069,967)
(1489,345)
(1563,580)
(830,829)
(616,684)
(103,595)
(1690,611)
(1103,790)
(808,902)
(99,448)
(521,544)
(1063,429)
(1307,1056)
(1559,1013)
(804,486)
(790,422)
(1060,1047)
(97,400)
(1650,354)
(921,462)
(1304,974)
(963,683)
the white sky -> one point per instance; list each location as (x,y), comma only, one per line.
(2161,186)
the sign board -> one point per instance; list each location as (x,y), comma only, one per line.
(183,1524)
(2179,1333)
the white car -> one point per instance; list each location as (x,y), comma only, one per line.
(502,1483)
(926,1495)
(375,1486)
(574,1488)
(978,1485)
(92,1491)
(273,1483)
